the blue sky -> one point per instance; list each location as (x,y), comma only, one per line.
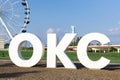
(86,15)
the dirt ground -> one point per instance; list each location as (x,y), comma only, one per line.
(8,71)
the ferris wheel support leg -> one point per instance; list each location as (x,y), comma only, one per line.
(5,27)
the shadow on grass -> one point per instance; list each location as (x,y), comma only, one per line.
(112,67)
(108,67)
(80,66)
(15,74)
(6,65)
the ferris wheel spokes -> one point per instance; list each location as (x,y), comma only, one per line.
(4,3)
(14,17)
(5,27)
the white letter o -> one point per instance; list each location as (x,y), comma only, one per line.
(15,53)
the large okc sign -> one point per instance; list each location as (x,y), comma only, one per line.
(54,49)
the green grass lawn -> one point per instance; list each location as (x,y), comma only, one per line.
(114,57)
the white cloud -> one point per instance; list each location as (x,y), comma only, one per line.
(51,30)
(114,31)
(57,30)
(114,35)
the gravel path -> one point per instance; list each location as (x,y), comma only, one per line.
(8,71)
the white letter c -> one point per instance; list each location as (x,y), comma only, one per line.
(82,51)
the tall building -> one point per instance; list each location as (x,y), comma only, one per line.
(72,29)
(1,43)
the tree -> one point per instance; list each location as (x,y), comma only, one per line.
(6,45)
(75,41)
(112,49)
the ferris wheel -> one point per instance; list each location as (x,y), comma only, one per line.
(14,17)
